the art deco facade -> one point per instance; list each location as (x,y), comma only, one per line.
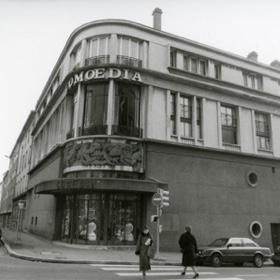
(129,109)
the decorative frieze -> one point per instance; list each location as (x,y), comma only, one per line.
(100,153)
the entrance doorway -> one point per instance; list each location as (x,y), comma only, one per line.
(102,218)
(275,234)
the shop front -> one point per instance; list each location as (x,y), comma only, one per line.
(100,211)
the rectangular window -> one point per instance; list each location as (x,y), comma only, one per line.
(73,111)
(252,80)
(185,116)
(198,119)
(173,112)
(186,60)
(202,67)
(127,106)
(96,105)
(129,47)
(217,69)
(229,124)
(173,60)
(183,111)
(194,65)
(262,131)
(76,57)
(98,46)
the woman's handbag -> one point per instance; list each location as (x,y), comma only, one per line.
(151,252)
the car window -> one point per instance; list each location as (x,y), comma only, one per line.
(249,243)
(219,242)
(236,242)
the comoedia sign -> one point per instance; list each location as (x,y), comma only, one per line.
(104,73)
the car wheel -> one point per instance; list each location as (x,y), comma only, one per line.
(216,260)
(239,264)
(258,261)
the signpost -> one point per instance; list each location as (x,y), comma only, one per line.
(160,199)
(157,201)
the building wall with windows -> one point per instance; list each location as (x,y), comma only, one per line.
(129,109)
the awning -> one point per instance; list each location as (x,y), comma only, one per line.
(86,185)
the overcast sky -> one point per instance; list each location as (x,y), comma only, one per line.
(34,32)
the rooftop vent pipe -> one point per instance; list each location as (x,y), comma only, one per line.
(157,18)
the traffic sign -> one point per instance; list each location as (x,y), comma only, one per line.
(157,199)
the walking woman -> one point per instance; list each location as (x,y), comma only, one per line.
(143,242)
(188,247)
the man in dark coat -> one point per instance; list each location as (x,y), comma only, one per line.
(188,247)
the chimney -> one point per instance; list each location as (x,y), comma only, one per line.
(275,63)
(253,56)
(157,18)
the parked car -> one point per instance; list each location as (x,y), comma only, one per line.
(276,256)
(234,250)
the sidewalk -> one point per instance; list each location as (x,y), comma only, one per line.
(33,248)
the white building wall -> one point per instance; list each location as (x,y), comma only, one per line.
(158,56)
(210,122)
(157,114)
(271,85)
(246,131)
(276,135)
(232,75)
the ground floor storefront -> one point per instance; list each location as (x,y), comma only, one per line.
(101,218)
(93,211)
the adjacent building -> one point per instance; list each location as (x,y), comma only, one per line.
(129,109)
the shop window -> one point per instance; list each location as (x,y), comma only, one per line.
(96,107)
(127,110)
(229,124)
(101,219)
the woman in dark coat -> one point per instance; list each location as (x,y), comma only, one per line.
(143,242)
(189,249)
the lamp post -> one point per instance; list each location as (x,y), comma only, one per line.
(21,207)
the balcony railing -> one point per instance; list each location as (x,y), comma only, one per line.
(127,131)
(93,130)
(97,60)
(129,61)
(103,130)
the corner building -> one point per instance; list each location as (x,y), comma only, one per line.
(129,109)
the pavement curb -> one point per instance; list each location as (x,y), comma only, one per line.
(12,253)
